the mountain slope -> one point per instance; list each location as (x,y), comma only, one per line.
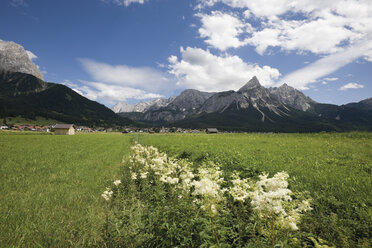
(347,117)
(249,119)
(291,97)
(28,96)
(17,83)
(365,105)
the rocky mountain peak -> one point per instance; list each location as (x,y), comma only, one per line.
(253,83)
(14,58)
(292,97)
(189,99)
(285,86)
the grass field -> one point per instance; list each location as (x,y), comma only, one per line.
(335,168)
(50,187)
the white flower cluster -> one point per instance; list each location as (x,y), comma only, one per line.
(240,189)
(271,199)
(269,194)
(208,187)
(117,182)
(107,194)
(169,170)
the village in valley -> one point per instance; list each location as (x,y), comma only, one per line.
(71,129)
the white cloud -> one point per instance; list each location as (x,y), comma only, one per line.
(108,94)
(325,66)
(222,30)
(125,3)
(113,83)
(331,79)
(18,3)
(320,36)
(351,86)
(31,55)
(317,26)
(137,77)
(200,69)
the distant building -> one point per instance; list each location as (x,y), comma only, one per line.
(64,129)
(211,130)
(83,129)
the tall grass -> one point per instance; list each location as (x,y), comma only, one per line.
(50,188)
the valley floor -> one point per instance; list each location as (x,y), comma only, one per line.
(51,186)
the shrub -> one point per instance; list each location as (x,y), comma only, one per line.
(166,202)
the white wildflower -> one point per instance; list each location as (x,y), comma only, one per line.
(134,176)
(293,226)
(213,209)
(167,179)
(107,194)
(272,199)
(304,206)
(117,182)
(206,187)
(240,189)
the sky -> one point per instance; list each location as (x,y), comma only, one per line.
(135,50)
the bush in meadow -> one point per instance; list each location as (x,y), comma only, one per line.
(166,202)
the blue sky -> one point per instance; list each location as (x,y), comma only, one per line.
(133,50)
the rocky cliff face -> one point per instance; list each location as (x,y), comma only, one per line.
(14,58)
(291,97)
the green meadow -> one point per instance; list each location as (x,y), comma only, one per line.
(51,186)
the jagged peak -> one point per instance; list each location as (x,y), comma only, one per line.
(14,58)
(253,83)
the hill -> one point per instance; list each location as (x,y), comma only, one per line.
(28,96)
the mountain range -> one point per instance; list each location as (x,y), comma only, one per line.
(23,92)
(252,108)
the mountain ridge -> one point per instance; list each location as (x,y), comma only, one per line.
(269,109)
(26,95)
